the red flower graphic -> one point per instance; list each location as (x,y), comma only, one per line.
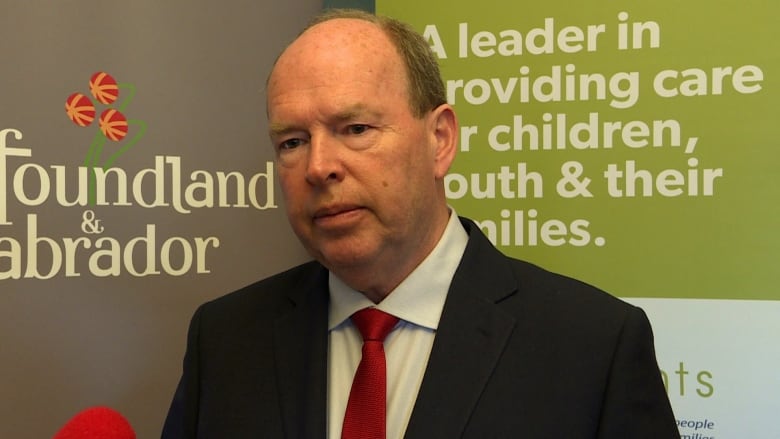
(104,87)
(80,109)
(113,124)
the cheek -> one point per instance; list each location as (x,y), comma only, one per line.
(287,189)
(288,178)
(292,192)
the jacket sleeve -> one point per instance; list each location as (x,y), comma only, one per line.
(182,419)
(636,404)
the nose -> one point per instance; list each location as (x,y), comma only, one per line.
(325,165)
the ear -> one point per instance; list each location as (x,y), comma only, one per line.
(444,129)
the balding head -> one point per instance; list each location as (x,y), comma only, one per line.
(421,71)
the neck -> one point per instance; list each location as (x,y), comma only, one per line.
(376,280)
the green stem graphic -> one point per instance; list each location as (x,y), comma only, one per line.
(92,160)
(129,144)
(130,94)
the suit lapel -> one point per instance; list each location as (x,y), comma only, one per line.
(471,337)
(300,348)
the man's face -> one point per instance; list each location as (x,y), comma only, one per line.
(358,170)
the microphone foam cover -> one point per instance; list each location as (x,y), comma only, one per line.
(97,423)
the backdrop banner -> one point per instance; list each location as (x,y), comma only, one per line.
(627,144)
(634,146)
(136,182)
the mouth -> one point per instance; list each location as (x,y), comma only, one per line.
(336,216)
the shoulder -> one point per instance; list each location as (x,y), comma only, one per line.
(271,295)
(561,290)
(530,289)
(571,307)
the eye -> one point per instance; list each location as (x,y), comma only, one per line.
(290,144)
(357,128)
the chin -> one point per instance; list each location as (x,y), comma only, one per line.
(344,256)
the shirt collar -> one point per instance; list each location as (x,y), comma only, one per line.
(418,299)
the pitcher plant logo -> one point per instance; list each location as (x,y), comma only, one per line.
(100,247)
(113,125)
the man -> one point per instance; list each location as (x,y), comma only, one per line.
(486,346)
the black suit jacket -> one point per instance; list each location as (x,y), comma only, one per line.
(519,353)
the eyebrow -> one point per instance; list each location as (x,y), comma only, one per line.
(352,112)
(278,129)
(349,113)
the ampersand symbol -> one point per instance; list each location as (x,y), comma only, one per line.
(570,185)
(90,225)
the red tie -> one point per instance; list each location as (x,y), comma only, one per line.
(366,409)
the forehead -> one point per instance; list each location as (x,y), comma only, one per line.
(338,56)
(340,36)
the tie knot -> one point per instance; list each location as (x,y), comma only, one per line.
(374,324)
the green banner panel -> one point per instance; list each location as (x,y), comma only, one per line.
(632,145)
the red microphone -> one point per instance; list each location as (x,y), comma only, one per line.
(97,423)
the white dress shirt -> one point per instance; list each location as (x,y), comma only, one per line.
(418,302)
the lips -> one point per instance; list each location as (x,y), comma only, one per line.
(336,216)
(324,212)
